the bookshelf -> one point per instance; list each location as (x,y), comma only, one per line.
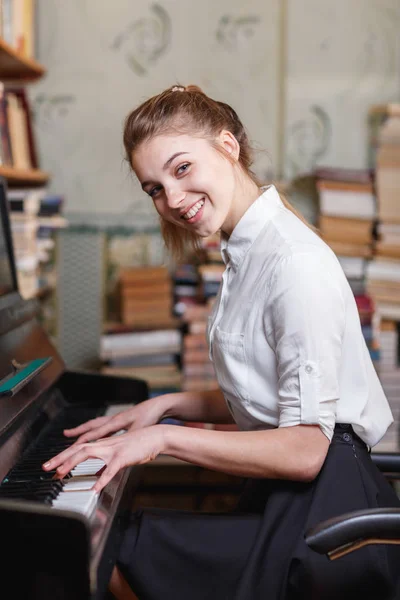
(23,177)
(14,66)
(35,250)
(18,67)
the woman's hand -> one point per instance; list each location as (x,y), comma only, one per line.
(141,415)
(135,447)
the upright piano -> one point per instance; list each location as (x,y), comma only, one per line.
(59,538)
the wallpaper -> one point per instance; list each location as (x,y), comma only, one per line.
(104,58)
(341,57)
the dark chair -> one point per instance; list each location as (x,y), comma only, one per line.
(346,533)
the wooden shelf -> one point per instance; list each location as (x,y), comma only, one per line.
(14,66)
(44,292)
(118,327)
(17,177)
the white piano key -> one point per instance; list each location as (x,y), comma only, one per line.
(76,484)
(88,467)
(83,502)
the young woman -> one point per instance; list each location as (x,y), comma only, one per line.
(294,374)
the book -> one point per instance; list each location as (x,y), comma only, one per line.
(350,248)
(205,370)
(353,266)
(155,375)
(146,304)
(117,327)
(5,143)
(160,359)
(136,275)
(196,355)
(341,175)
(145,318)
(195,341)
(383,270)
(146,291)
(138,343)
(343,229)
(345,199)
(25,201)
(389,250)
(198,312)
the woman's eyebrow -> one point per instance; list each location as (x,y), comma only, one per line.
(167,164)
(169,161)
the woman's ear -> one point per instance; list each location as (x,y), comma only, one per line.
(229,143)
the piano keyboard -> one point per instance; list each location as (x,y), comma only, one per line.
(28,481)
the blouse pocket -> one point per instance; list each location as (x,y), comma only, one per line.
(229,355)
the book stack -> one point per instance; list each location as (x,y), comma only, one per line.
(151,355)
(198,370)
(389,375)
(35,216)
(346,222)
(211,277)
(346,219)
(146,296)
(211,246)
(383,284)
(186,291)
(24,227)
(369,326)
(388,184)
(384,271)
(378,114)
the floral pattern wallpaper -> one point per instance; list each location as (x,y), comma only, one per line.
(341,58)
(301,75)
(104,58)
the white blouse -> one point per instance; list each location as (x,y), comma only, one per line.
(285,334)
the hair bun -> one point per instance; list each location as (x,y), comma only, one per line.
(194,88)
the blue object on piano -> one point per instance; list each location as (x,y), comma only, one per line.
(21,374)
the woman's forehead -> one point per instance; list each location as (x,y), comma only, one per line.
(160,148)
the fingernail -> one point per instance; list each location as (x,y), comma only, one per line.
(46,465)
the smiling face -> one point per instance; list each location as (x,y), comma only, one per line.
(191,183)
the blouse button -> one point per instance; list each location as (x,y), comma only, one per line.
(308,369)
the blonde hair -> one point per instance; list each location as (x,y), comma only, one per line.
(188,110)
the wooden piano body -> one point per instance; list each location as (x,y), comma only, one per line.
(47,552)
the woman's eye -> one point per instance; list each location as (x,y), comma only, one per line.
(182,168)
(154,191)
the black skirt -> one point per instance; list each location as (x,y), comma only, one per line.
(258,552)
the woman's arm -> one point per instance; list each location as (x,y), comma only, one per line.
(208,407)
(296,453)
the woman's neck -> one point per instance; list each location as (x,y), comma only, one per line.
(248,192)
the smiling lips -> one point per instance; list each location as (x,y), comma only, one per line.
(192,212)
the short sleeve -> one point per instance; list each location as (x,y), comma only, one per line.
(307,311)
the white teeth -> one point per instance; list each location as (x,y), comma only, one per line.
(194,210)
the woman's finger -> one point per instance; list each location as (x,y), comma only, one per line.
(106,476)
(59,459)
(95,434)
(87,426)
(87,451)
(111,426)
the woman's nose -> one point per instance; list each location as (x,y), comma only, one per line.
(174,197)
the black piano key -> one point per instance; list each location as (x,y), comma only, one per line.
(27,479)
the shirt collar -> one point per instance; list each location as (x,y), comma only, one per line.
(234,248)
